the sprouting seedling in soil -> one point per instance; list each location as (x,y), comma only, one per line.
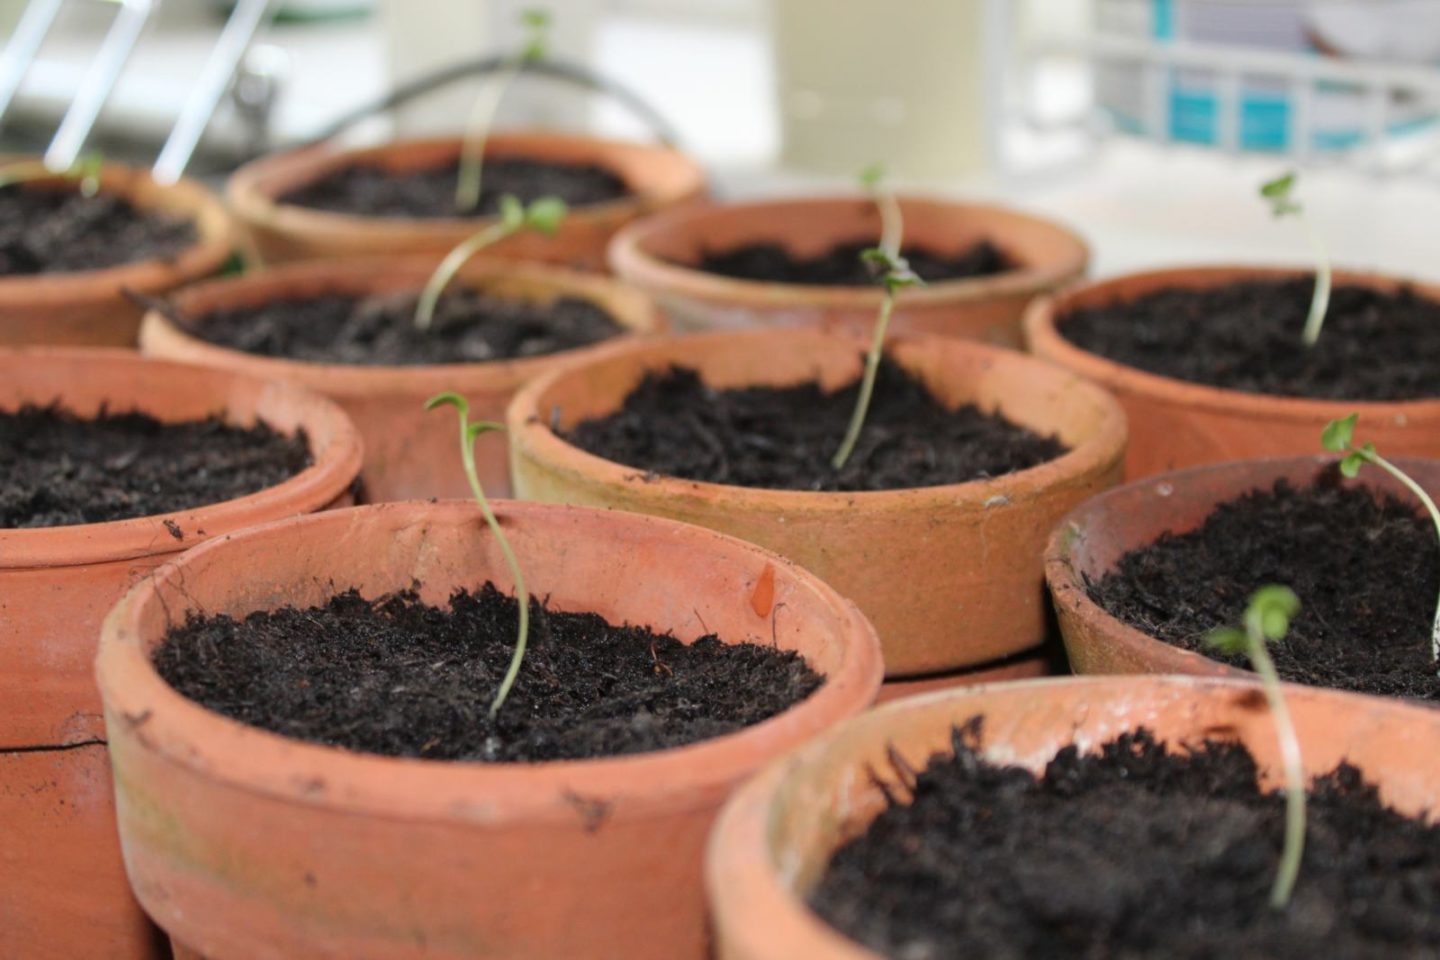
(468,434)
(895,274)
(1267,619)
(86,170)
(544,215)
(535,24)
(872,180)
(1280,193)
(1339,437)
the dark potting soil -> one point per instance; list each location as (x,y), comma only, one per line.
(1247,336)
(373,191)
(1131,852)
(55,231)
(841,265)
(58,469)
(468,326)
(783,438)
(398,677)
(1367,573)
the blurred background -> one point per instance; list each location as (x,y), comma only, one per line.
(1146,123)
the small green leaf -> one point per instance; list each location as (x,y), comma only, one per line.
(1338,433)
(1227,640)
(449,399)
(482,426)
(1350,466)
(1280,194)
(872,176)
(87,170)
(1274,606)
(546,214)
(512,211)
(536,23)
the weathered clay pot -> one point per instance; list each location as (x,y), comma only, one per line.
(658,254)
(658,177)
(1092,539)
(949,575)
(90,307)
(245,845)
(409,454)
(776,836)
(1176,424)
(61,884)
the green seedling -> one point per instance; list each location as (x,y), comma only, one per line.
(1339,437)
(85,170)
(544,215)
(536,24)
(895,274)
(469,432)
(872,180)
(1267,619)
(1280,193)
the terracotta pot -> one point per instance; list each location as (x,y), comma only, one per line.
(409,454)
(1176,424)
(60,879)
(1026,666)
(246,845)
(950,575)
(776,836)
(1092,539)
(89,307)
(658,254)
(658,177)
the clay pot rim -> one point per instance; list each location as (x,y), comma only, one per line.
(529,430)
(252,194)
(1043,337)
(733,874)
(317,485)
(629,257)
(270,764)
(212,246)
(160,336)
(1068,591)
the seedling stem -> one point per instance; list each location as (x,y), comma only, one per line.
(1338,437)
(1267,618)
(468,434)
(1279,193)
(535,23)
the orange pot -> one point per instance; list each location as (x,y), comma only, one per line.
(776,836)
(409,454)
(61,883)
(244,844)
(658,254)
(1176,424)
(657,176)
(950,575)
(1092,539)
(1022,667)
(90,307)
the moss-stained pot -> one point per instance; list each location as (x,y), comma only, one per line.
(89,307)
(776,836)
(1176,424)
(409,454)
(657,177)
(1092,539)
(62,887)
(950,575)
(243,844)
(659,255)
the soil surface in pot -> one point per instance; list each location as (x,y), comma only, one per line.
(842,266)
(60,469)
(62,231)
(1367,572)
(1246,336)
(397,677)
(783,438)
(1131,852)
(468,326)
(372,191)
